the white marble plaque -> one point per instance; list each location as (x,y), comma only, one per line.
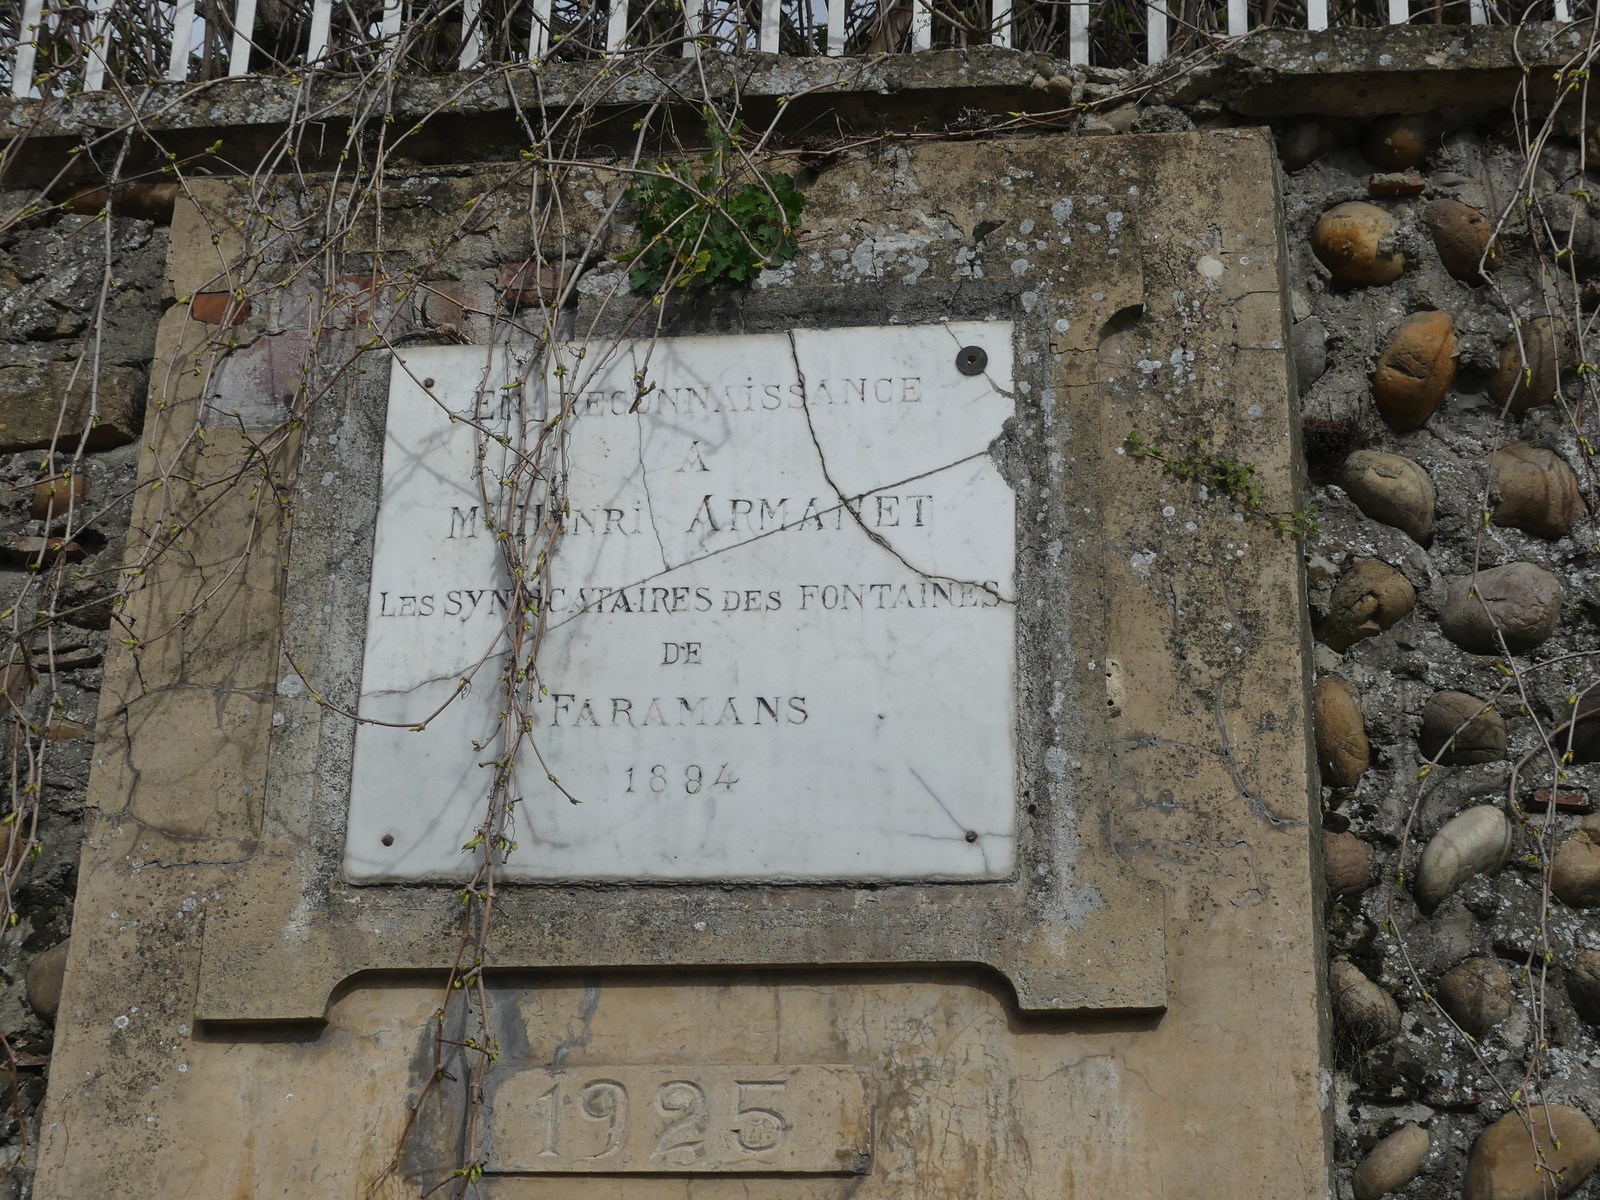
(780,638)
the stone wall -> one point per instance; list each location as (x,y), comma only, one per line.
(53,279)
(1401,352)
(1425,461)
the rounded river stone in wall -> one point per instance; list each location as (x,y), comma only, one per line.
(1528,374)
(1416,369)
(1365,1012)
(1538,492)
(1586,729)
(1472,730)
(1475,842)
(1393,489)
(1305,141)
(1356,242)
(1583,985)
(1575,871)
(1309,341)
(52,496)
(1347,863)
(1343,751)
(1477,994)
(1398,143)
(1463,235)
(1519,600)
(1392,1163)
(1369,598)
(43,981)
(1505,1165)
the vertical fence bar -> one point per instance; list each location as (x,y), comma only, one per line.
(1399,12)
(389,30)
(1078,33)
(1000,24)
(921,24)
(94,74)
(539,31)
(182,37)
(27,48)
(471,33)
(1316,14)
(771,25)
(693,26)
(838,14)
(1479,11)
(1238,18)
(321,18)
(244,29)
(617,27)
(1155,37)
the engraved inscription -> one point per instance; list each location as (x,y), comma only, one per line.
(706,1119)
(778,623)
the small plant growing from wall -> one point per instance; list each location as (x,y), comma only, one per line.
(701,228)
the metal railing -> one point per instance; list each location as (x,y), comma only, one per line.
(50,47)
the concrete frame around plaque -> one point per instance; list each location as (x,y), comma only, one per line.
(1066,924)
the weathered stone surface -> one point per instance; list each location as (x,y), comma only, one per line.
(1575,871)
(1347,863)
(1399,143)
(1356,242)
(1343,751)
(1393,489)
(1505,1165)
(1477,994)
(1459,728)
(146,201)
(461,309)
(1392,1163)
(1519,600)
(1369,598)
(43,981)
(1583,985)
(1244,966)
(1462,235)
(219,308)
(1395,183)
(16,681)
(531,282)
(1416,369)
(32,398)
(28,551)
(255,384)
(1365,1012)
(1475,842)
(1537,491)
(61,729)
(1529,374)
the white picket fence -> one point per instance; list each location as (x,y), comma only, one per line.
(701,20)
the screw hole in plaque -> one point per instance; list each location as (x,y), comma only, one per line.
(972,360)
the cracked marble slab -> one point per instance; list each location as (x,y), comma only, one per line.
(780,614)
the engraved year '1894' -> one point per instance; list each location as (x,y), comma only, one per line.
(702,1119)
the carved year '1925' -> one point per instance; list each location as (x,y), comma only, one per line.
(682,1110)
(711,1119)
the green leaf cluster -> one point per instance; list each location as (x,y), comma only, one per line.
(699,228)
